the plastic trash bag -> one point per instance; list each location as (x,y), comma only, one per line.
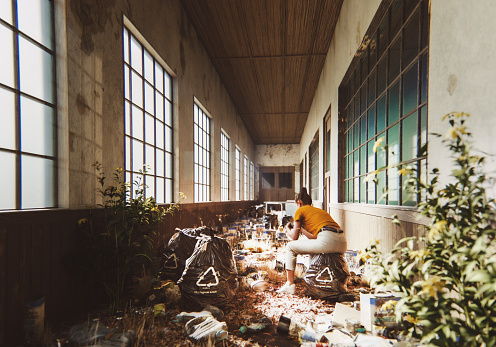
(174,255)
(327,276)
(210,275)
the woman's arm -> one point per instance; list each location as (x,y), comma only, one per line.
(307,234)
(293,232)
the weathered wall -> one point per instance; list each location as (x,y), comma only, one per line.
(95,114)
(277,155)
(462,75)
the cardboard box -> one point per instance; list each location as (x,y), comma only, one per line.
(375,309)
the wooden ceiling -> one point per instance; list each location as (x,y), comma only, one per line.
(269,55)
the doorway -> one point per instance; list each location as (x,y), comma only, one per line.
(277,183)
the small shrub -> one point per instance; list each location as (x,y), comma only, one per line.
(447,277)
(121,246)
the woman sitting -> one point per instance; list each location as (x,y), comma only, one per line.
(323,234)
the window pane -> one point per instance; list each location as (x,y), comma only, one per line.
(381,76)
(383,35)
(150,158)
(149,129)
(37,127)
(407,197)
(381,114)
(125,39)
(168,191)
(409,138)
(168,87)
(371,122)
(168,113)
(149,98)
(149,66)
(160,195)
(371,83)
(159,106)
(136,55)
(168,165)
(363,190)
(356,190)
(373,52)
(394,60)
(7,120)
(8,179)
(160,162)
(285,180)
(393,158)
(6,56)
(137,89)
(423,77)
(363,160)
(137,123)
(410,83)
(396,17)
(394,104)
(36,71)
(423,127)
(127,86)
(160,135)
(128,153)
(363,98)
(357,134)
(6,11)
(37,182)
(363,127)
(410,40)
(381,188)
(159,77)
(137,156)
(34,19)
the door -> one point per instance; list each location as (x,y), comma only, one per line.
(277,183)
(327,161)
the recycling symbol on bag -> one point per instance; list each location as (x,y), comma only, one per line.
(325,277)
(168,260)
(211,280)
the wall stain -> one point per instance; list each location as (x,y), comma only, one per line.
(452,84)
(182,57)
(93,16)
(81,104)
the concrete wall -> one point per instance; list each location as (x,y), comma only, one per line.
(462,75)
(94,91)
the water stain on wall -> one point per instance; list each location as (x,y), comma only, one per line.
(93,16)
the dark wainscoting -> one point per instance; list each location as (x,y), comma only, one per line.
(35,252)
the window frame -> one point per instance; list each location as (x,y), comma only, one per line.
(224,165)
(156,144)
(202,155)
(237,173)
(364,105)
(47,153)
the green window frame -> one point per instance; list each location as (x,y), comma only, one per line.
(384,97)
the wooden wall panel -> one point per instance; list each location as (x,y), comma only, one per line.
(34,251)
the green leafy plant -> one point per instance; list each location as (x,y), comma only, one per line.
(446,277)
(121,245)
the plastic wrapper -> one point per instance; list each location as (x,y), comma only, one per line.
(327,276)
(174,255)
(210,275)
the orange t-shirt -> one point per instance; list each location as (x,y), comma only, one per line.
(313,219)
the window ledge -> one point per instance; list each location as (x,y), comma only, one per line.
(405,214)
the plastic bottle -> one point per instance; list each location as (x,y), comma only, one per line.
(185,317)
(206,328)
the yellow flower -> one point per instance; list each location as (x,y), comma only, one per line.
(432,286)
(378,143)
(388,305)
(82,221)
(377,241)
(119,169)
(418,254)
(410,319)
(436,229)
(404,171)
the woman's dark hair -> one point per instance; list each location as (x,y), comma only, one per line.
(304,197)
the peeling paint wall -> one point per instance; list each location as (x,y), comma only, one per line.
(95,91)
(277,155)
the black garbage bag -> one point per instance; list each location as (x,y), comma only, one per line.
(327,276)
(174,255)
(209,277)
